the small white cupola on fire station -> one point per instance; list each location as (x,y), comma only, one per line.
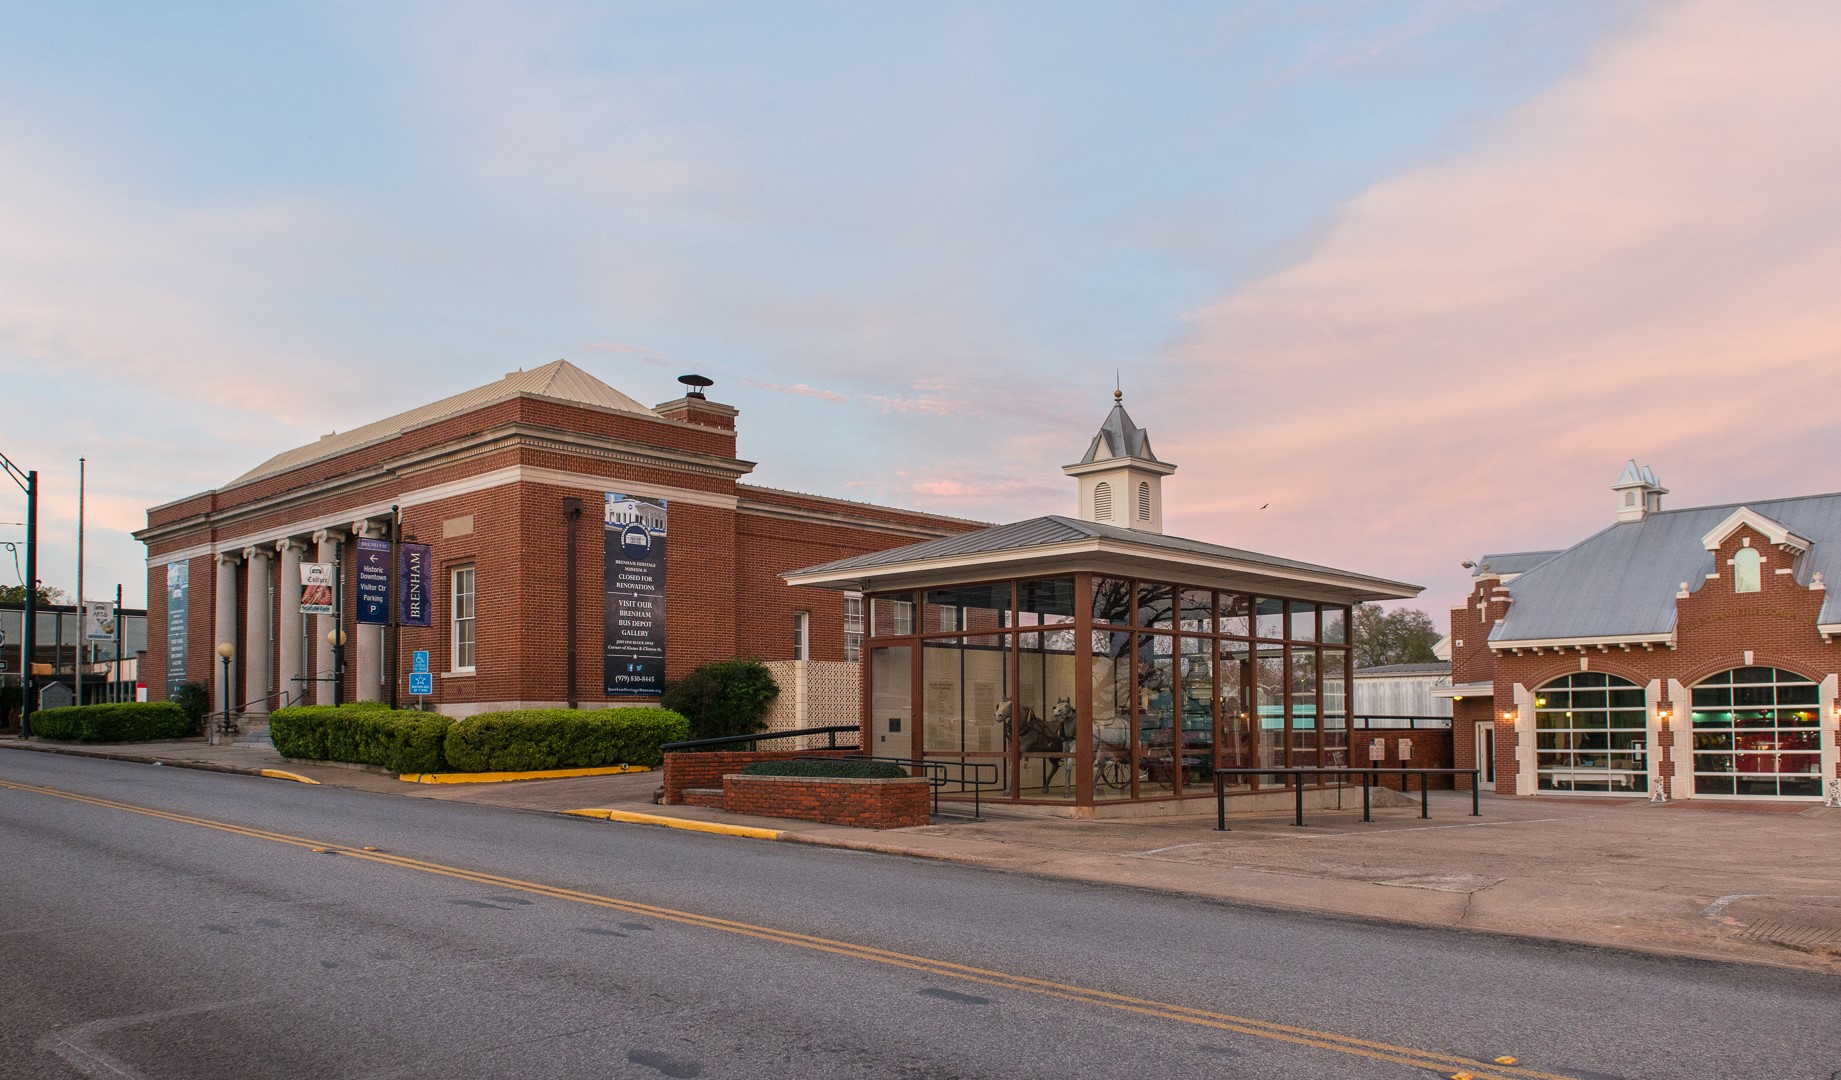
(1121,480)
(1639,493)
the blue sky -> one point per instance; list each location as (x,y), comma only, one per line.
(912,243)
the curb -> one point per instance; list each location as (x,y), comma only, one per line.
(506,777)
(687,824)
(148,759)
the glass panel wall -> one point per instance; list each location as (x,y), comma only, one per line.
(1182,680)
(1591,735)
(1757,732)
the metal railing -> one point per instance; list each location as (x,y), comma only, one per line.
(1298,774)
(939,775)
(831,733)
(1399,723)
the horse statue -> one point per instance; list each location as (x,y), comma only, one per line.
(1038,735)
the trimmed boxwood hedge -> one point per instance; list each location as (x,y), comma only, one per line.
(121,721)
(367,733)
(840,768)
(526,739)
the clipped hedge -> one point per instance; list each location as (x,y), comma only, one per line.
(835,768)
(366,733)
(122,721)
(528,739)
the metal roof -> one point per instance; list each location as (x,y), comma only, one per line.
(559,380)
(1623,580)
(1512,562)
(1044,532)
(1119,438)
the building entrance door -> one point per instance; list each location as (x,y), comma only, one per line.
(1486,754)
(891,703)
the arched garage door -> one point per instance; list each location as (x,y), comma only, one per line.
(1758,733)
(1591,735)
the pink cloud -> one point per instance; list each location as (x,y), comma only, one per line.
(1640,262)
(799,389)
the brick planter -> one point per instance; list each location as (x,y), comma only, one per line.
(866,804)
(689,769)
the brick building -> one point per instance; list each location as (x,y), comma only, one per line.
(1675,654)
(488,522)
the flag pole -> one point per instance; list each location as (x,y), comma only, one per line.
(82,636)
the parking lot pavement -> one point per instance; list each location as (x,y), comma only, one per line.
(1717,880)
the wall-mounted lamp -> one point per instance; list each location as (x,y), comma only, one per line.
(1508,716)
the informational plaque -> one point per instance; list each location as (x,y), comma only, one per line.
(635,591)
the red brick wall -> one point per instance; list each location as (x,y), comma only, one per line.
(689,769)
(866,804)
(1431,750)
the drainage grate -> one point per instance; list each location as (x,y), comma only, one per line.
(1802,935)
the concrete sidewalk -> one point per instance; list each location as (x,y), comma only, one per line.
(1756,884)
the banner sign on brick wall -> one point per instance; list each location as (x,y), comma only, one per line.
(413,586)
(373,580)
(178,588)
(635,613)
(316,588)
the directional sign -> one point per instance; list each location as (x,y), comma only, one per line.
(419,662)
(421,684)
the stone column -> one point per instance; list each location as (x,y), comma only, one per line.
(370,636)
(224,629)
(329,541)
(292,663)
(258,627)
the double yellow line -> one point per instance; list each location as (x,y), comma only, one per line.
(1444,1064)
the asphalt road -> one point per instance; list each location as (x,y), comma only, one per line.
(192,931)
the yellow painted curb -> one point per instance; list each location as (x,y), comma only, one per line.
(279,774)
(679,823)
(502,777)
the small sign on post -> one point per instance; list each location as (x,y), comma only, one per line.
(421,680)
(1406,751)
(1377,750)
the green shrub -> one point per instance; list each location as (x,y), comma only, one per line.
(365,733)
(528,739)
(850,768)
(728,697)
(196,701)
(122,721)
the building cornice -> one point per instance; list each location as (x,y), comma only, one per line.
(1621,642)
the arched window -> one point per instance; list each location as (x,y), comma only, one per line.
(1144,500)
(1757,732)
(1591,735)
(1102,501)
(1747,570)
(1630,498)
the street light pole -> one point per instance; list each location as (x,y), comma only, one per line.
(225,727)
(28,648)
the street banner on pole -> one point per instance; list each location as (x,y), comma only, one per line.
(99,620)
(178,586)
(373,580)
(316,588)
(418,601)
(635,612)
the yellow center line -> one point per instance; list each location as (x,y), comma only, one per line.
(1264,1029)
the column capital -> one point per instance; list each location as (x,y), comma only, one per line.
(320,536)
(295,542)
(368,528)
(256,551)
(229,558)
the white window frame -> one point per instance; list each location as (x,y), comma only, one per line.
(1747,570)
(854,625)
(463,611)
(802,635)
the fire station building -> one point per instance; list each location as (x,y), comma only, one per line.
(1676,654)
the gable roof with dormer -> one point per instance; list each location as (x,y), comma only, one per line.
(1118,437)
(1621,584)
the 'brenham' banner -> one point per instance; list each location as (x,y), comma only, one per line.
(418,603)
(178,624)
(635,532)
(373,580)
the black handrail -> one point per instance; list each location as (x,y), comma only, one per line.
(937,777)
(735,740)
(1298,773)
(1412,722)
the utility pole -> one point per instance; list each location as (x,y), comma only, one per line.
(82,605)
(115,691)
(28,648)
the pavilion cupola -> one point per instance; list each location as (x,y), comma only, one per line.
(1120,478)
(1639,493)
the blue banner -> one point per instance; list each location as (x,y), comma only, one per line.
(414,586)
(635,613)
(178,610)
(373,580)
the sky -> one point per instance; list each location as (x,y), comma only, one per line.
(1393,284)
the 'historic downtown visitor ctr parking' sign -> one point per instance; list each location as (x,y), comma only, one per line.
(635,613)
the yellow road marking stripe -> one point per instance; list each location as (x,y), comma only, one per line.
(717,827)
(1323,1040)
